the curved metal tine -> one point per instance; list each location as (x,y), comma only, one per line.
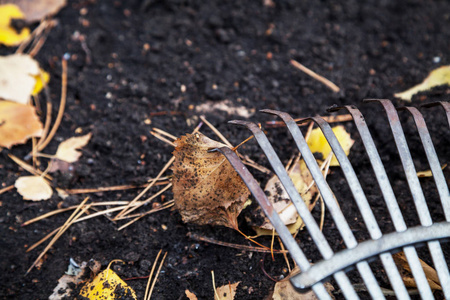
(298,202)
(370,248)
(414,185)
(389,196)
(445,105)
(328,197)
(432,157)
(363,205)
(290,243)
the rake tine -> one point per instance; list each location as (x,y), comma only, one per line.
(416,191)
(298,202)
(433,160)
(363,205)
(327,195)
(389,196)
(445,105)
(290,243)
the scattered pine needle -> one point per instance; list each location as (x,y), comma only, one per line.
(316,76)
(284,254)
(231,245)
(216,295)
(329,119)
(162,132)
(216,131)
(271,244)
(5,189)
(156,277)
(28,167)
(151,275)
(112,188)
(160,137)
(76,214)
(165,206)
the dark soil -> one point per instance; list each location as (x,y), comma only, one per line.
(132,62)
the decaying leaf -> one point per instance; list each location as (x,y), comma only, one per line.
(285,291)
(20,77)
(437,77)
(227,291)
(318,143)
(67,150)
(8,35)
(35,10)
(428,173)
(207,190)
(226,106)
(33,188)
(107,285)
(190,295)
(278,196)
(18,123)
(405,271)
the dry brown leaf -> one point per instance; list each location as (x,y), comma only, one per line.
(17,77)
(67,150)
(18,123)
(207,190)
(190,295)
(277,195)
(428,173)
(225,106)
(35,10)
(227,291)
(285,291)
(405,271)
(33,188)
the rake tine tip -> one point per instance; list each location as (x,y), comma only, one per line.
(430,104)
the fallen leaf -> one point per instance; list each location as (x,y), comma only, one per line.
(107,285)
(33,188)
(225,106)
(35,10)
(18,123)
(318,143)
(67,150)
(428,173)
(207,190)
(277,195)
(8,35)
(42,80)
(190,295)
(408,279)
(437,77)
(285,291)
(20,77)
(227,291)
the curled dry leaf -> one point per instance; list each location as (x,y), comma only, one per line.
(437,77)
(190,295)
(20,77)
(207,190)
(318,143)
(18,123)
(227,291)
(33,188)
(408,279)
(285,291)
(35,10)
(9,36)
(67,150)
(278,196)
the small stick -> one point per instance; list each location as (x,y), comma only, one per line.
(231,245)
(151,274)
(316,76)
(65,226)
(156,276)
(5,189)
(62,106)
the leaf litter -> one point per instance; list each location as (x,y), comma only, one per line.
(8,34)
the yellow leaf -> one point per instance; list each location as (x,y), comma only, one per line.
(18,123)
(107,286)
(33,188)
(8,35)
(67,150)
(18,74)
(439,76)
(428,173)
(318,143)
(39,84)
(227,291)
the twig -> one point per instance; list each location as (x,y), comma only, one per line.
(231,245)
(316,76)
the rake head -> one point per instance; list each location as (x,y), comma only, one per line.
(358,254)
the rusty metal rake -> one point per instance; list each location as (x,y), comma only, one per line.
(358,254)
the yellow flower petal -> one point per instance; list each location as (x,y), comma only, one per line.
(8,35)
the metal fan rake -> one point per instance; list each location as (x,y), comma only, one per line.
(358,254)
